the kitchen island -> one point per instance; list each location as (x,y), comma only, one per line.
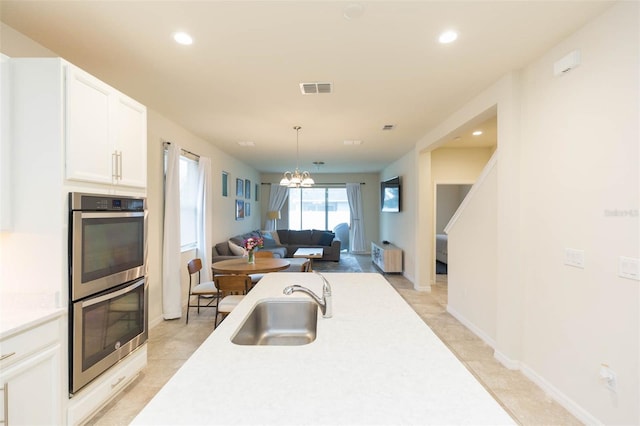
(374,362)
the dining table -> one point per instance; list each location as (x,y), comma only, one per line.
(241,266)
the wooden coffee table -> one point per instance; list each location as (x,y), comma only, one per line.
(310,253)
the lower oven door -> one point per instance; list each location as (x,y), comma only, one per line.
(106,328)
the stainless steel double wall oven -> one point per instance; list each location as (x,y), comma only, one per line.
(108,306)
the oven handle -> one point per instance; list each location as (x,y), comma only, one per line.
(108,296)
(108,214)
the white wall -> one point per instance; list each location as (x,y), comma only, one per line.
(580,161)
(567,161)
(448,199)
(472,260)
(400,229)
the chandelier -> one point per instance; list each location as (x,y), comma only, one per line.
(297,179)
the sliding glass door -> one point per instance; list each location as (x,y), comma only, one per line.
(318,208)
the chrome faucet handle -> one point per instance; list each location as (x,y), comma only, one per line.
(325,303)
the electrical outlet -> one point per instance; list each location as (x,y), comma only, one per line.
(628,268)
(573,257)
(608,376)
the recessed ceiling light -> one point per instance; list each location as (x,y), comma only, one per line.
(353,11)
(183,38)
(477,133)
(349,142)
(448,37)
(247,143)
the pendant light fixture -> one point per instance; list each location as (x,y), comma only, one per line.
(297,179)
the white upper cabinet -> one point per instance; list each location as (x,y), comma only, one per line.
(89,145)
(130,142)
(106,138)
(5,147)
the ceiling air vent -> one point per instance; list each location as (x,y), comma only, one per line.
(388,127)
(315,88)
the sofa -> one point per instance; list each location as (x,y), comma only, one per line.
(282,243)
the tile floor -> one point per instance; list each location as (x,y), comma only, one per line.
(172,342)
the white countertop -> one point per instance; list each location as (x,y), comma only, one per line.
(22,312)
(374,362)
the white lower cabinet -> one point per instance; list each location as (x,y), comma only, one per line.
(30,377)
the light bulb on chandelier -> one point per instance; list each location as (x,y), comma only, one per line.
(297,179)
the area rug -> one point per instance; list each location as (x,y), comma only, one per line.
(346,264)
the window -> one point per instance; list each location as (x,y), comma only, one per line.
(318,208)
(188,200)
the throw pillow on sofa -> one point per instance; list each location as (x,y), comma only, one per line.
(326,238)
(236,249)
(268,241)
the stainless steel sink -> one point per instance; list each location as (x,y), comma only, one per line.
(279,323)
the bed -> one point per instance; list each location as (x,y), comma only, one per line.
(441,248)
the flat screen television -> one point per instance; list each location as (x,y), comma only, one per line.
(391,195)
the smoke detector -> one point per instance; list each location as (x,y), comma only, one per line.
(316,88)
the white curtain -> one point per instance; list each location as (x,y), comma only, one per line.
(203,221)
(171,289)
(354,195)
(277,196)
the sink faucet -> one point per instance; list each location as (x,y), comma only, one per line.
(325,303)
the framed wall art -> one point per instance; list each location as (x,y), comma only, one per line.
(247,209)
(239,187)
(247,189)
(239,209)
(225,184)
(257,193)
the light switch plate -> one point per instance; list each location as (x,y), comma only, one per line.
(573,257)
(628,267)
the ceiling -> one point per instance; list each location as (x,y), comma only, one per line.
(239,80)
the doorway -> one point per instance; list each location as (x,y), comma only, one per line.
(448,199)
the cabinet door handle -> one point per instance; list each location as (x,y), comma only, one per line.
(118,381)
(119,165)
(5,356)
(114,165)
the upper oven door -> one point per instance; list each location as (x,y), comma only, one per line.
(107,249)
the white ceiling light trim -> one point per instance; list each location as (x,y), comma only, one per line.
(448,37)
(297,179)
(353,11)
(183,38)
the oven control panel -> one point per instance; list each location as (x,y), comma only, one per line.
(95,202)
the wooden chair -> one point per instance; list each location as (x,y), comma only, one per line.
(231,290)
(206,290)
(263,254)
(306,266)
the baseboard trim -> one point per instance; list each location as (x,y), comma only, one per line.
(156,321)
(570,405)
(477,331)
(561,398)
